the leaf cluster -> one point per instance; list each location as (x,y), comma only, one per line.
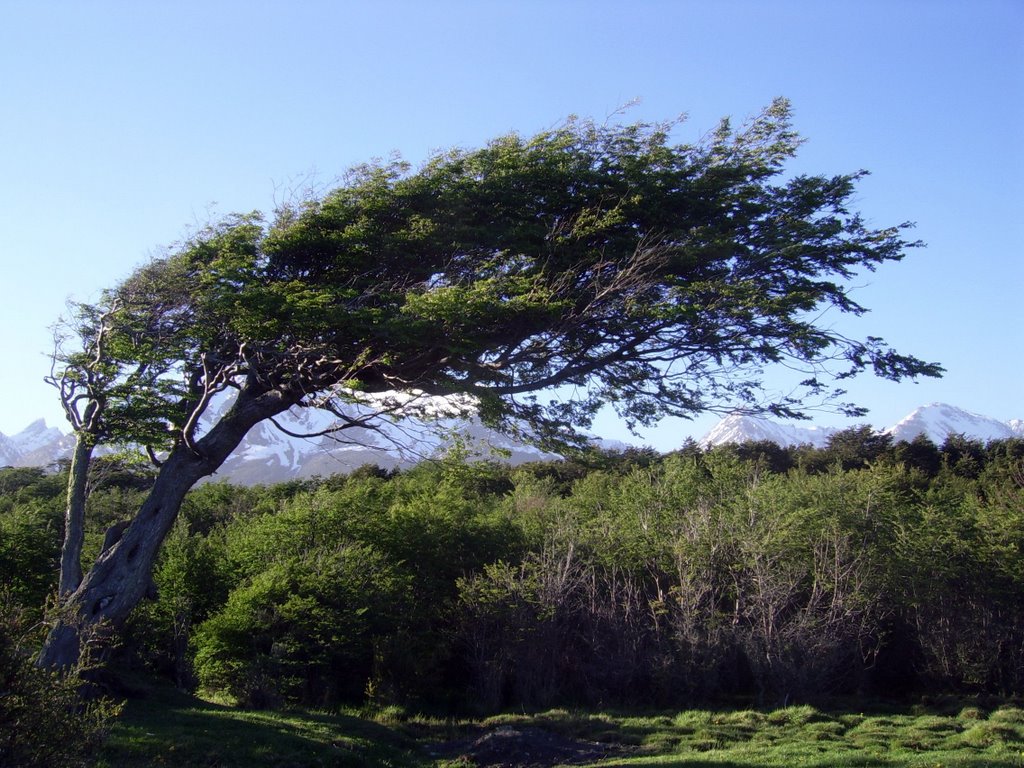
(657,277)
(694,576)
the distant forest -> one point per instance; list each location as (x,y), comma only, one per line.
(700,576)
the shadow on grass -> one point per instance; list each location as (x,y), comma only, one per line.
(169,728)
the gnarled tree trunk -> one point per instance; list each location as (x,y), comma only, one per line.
(121,574)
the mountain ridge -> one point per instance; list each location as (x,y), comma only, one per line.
(268,455)
(936,421)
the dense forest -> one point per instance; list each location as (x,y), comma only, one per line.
(753,571)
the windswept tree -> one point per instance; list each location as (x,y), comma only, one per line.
(599,260)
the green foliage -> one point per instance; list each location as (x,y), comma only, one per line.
(810,549)
(662,279)
(301,629)
(348,584)
(591,255)
(689,576)
(963,549)
(191,583)
(30,535)
(212,505)
(29,551)
(44,722)
(653,580)
(24,483)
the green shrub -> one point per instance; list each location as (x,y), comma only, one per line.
(29,552)
(302,630)
(44,721)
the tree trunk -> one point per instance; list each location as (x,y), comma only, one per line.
(74,517)
(121,574)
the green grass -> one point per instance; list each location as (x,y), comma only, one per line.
(806,737)
(173,729)
(167,728)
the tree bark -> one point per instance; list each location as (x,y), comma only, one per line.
(121,574)
(74,517)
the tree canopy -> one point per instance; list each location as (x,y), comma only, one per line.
(655,277)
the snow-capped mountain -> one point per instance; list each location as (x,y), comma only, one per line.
(35,446)
(737,428)
(936,422)
(269,455)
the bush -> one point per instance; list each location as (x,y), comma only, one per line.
(44,721)
(302,630)
(699,576)
(29,552)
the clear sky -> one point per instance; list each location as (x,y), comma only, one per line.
(126,123)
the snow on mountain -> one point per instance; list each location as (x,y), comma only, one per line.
(35,446)
(738,428)
(60,447)
(269,455)
(305,446)
(938,420)
(8,452)
(36,435)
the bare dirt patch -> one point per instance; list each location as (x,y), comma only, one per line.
(527,747)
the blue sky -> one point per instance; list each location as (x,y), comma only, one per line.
(124,124)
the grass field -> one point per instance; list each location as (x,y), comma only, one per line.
(168,728)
